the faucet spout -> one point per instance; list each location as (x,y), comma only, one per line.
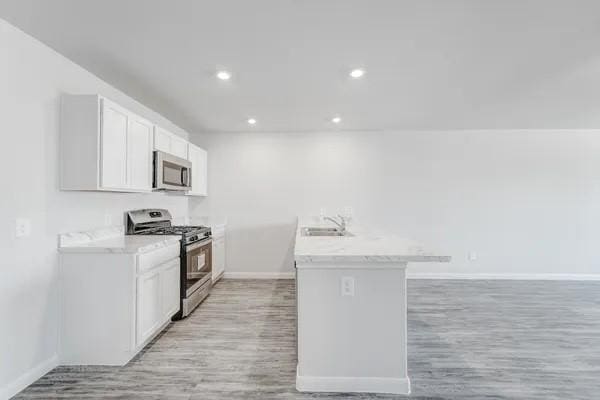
(341,223)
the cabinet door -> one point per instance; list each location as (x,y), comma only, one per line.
(199,158)
(218,260)
(139,154)
(170,289)
(179,147)
(162,140)
(149,313)
(113,147)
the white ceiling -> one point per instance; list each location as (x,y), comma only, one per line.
(431,64)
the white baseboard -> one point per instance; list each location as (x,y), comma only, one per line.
(344,384)
(450,275)
(260,275)
(28,377)
(523,277)
(218,278)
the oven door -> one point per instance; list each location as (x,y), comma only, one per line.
(171,173)
(198,265)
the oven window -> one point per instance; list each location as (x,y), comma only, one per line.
(199,267)
(172,174)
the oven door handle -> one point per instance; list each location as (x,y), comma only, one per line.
(196,245)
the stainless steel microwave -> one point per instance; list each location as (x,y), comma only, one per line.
(171,172)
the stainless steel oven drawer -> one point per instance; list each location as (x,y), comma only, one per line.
(191,302)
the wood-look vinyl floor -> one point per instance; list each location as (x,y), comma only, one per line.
(467,340)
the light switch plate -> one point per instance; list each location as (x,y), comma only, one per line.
(22,227)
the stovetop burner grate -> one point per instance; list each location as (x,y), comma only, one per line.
(158,222)
(174,230)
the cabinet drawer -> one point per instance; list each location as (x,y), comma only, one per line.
(155,258)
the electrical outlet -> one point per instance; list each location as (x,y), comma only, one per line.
(347,286)
(107,219)
(472,256)
(22,227)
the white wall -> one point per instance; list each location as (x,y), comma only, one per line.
(32,78)
(527,202)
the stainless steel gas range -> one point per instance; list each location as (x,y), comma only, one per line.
(196,253)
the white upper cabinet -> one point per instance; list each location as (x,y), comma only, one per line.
(179,147)
(162,140)
(170,143)
(106,147)
(113,146)
(139,154)
(199,159)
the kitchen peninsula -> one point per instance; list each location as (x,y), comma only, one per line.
(351,298)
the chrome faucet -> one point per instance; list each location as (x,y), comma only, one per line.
(341,224)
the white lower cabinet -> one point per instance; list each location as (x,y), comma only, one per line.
(218,252)
(170,281)
(218,258)
(149,313)
(157,298)
(118,302)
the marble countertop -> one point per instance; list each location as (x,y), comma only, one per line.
(362,246)
(113,240)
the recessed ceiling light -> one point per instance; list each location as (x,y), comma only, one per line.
(336,120)
(357,73)
(251,121)
(224,75)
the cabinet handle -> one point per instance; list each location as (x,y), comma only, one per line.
(183,176)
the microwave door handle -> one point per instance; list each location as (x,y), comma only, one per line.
(185,177)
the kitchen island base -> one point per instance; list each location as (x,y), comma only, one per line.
(352,327)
